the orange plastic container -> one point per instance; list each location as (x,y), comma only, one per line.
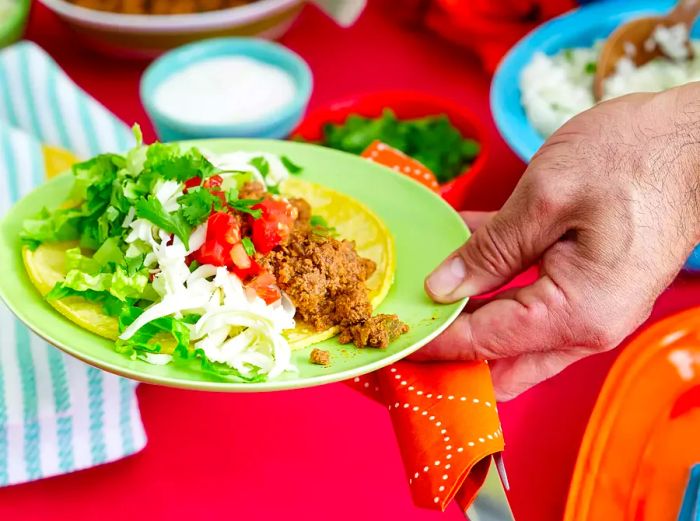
(644,432)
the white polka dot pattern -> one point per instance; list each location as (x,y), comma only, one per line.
(416,407)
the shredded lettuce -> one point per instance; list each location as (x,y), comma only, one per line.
(147,341)
(118,283)
(111,304)
(133,222)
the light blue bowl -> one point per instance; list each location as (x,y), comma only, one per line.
(276,127)
(579,28)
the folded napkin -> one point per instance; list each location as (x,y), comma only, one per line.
(57,414)
(444,414)
(446,424)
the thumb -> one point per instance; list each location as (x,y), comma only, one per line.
(500,249)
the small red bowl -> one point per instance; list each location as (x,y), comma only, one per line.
(407,105)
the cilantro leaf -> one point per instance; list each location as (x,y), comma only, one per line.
(317,220)
(245,206)
(232,195)
(261,164)
(248,246)
(431,140)
(170,162)
(321,227)
(152,210)
(197,204)
(292,167)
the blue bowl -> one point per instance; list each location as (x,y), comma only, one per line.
(276,127)
(579,28)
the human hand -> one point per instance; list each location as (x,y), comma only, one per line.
(610,208)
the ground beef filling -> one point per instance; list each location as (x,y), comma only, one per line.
(325,278)
(377,331)
(320,357)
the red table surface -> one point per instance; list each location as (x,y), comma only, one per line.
(324,453)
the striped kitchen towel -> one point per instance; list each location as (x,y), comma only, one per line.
(57,414)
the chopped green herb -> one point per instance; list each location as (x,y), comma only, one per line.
(232,195)
(432,140)
(244,205)
(248,246)
(196,205)
(591,67)
(292,167)
(261,164)
(317,220)
(152,210)
(170,162)
(320,227)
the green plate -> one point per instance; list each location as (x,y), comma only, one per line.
(425,228)
(12,26)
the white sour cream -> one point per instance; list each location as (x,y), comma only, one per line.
(224,91)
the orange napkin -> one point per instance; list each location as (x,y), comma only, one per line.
(396,160)
(444,414)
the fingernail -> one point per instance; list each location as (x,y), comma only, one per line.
(447,277)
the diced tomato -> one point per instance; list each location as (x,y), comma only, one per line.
(221,196)
(223,227)
(192,183)
(247,273)
(266,288)
(240,257)
(213,252)
(273,226)
(213,181)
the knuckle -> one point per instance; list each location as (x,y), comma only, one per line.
(490,251)
(547,196)
(600,330)
(603,336)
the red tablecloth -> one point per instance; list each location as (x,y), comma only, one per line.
(324,453)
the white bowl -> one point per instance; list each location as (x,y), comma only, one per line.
(147,36)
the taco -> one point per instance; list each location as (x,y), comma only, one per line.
(177,254)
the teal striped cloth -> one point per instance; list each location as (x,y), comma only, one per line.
(57,414)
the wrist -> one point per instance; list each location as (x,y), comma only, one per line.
(681,107)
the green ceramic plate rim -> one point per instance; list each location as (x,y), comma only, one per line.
(273,385)
(12,28)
